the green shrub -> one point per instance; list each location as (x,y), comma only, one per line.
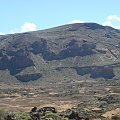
(22,116)
(2,113)
(54,116)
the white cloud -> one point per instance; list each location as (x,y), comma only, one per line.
(113,17)
(28,26)
(107,23)
(1,33)
(117,27)
(77,21)
(110,21)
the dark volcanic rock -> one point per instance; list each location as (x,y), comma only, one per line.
(28,77)
(4,61)
(48,109)
(19,63)
(72,51)
(96,71)
(15,62)
(39,46)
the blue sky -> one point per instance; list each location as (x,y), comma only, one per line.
(28,15)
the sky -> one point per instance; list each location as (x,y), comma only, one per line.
(31,15)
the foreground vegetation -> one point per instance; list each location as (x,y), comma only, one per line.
(104,108)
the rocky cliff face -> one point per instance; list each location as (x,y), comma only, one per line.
(88,48)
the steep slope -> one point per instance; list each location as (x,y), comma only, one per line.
(65,52)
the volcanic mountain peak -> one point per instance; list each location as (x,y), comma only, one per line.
(81,48)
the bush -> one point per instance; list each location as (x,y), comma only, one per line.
(15,116)
(54,116)
(22,116)
(2,113)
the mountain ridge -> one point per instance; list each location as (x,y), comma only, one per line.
(32,56)
(55,27)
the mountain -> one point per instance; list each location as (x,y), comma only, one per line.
(69,52)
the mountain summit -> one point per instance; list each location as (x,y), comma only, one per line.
(71,51)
